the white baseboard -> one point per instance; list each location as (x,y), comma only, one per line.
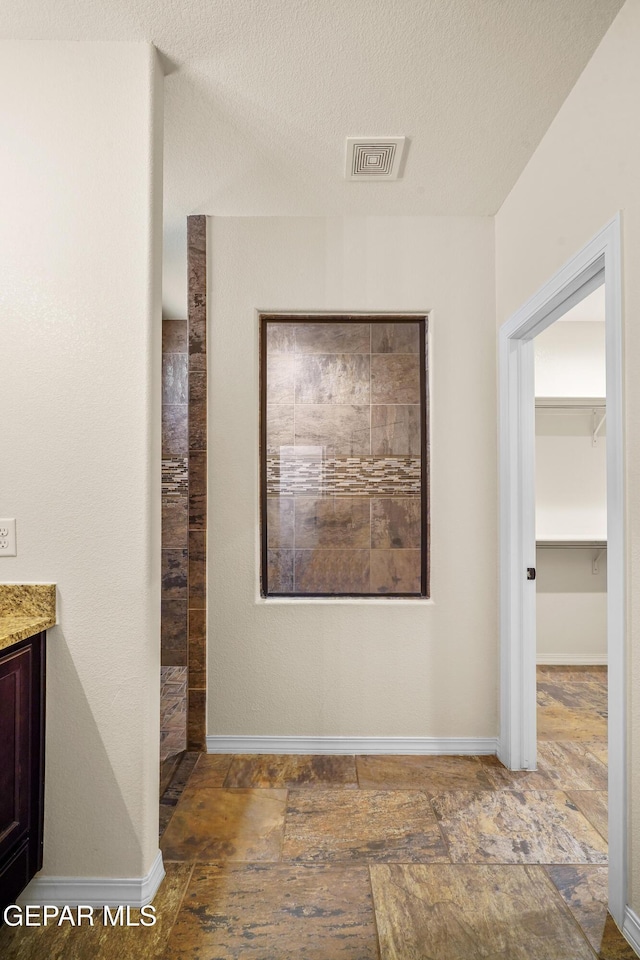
(571,660)
(95,891)
(352,745)
(631,929)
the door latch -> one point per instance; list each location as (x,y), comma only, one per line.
(531,573)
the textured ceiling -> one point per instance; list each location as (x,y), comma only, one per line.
(260,94)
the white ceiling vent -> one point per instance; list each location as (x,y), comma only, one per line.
(374,158)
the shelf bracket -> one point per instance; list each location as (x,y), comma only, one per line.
(597,427)
(595,563)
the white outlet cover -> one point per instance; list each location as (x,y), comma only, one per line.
(8,538)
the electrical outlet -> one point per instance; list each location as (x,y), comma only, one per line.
(8,538)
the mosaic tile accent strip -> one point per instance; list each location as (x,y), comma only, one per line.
(343,476)
(175,478)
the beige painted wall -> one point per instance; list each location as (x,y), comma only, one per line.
(369,667)
(583,172)
(80,167)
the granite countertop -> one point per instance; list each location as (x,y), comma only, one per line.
(25,609)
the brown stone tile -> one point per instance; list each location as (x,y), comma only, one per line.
(174,574)
(432,775)
(508,826)
(174,336)
(395,430)
(577,673)
(455,912)
(175,520)
(174,378)
(585,891)
(197,568)
(395,378)
(175,439)
(562,765)
(593,804)
(197,425)
(396,571)
(363,826)
(280,378)
(99,942)
(334,337)
(280,571)
(226,825)
(331,571)
(197,284)
(196,719)
(276,912)
(210,771)
(197,385)
(395,337)
(599,749)
(341,430)
(280,522)
(281,337)
(197,647)
(396,522)
(279,426)
(173,632)
(571,711)
(198,491)
(333,378)
(268,770)
(332,522)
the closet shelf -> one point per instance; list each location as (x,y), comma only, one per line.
(573,544)
(595,407)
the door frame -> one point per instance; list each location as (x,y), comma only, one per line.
(599,259)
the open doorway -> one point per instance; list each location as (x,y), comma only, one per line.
(597,264)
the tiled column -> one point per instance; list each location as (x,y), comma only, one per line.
(197,448)
(173,724)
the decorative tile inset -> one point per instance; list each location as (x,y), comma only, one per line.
(395,378)
(331,522)
(280,522)
(173,710)
(175,477)
(396,524)
(334,337)
(395,338)
(395,429)
(396,571)
(293,474)
(329,378)
(331,571)
(339,430)
(279,426)
(280,571)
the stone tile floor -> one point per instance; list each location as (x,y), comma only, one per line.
(381,858)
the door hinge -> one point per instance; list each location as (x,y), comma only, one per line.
(531,573)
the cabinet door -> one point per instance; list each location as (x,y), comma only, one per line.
(16,673)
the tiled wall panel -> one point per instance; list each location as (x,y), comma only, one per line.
(344,453)
(197,510)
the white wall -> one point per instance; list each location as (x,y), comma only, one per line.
(583,172)
(80,168)
(570,359)
(368,667)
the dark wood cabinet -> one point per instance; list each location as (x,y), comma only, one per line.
(22,675)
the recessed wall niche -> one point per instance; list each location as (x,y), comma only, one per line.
(344,456)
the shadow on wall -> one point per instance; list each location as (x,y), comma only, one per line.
(72,803)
